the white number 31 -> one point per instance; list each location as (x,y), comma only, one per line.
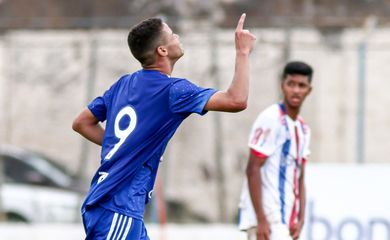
(123,134)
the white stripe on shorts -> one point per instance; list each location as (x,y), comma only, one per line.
(113,224)
(127,228)
(118,225)
(122,227)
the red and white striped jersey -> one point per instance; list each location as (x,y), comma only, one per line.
(285,145)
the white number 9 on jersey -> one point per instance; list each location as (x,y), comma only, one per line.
(123,134)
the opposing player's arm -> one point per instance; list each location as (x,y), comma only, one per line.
(234,99)
(88,126)
(254,183)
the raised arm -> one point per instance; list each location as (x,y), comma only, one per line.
(234,99)
(87,125)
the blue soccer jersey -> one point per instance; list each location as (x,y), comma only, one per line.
(142,112)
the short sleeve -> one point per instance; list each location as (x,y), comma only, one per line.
(98,106)
(186,97)
(263,136)
(306,150)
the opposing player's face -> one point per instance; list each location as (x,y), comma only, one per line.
(172,42)
(295,89)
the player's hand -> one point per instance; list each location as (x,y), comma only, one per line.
(244,39)
(263,230)
(296,229)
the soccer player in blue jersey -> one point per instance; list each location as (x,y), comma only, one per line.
(142,111)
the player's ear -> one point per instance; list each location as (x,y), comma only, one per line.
(162,51)
(310,89)
(282,81)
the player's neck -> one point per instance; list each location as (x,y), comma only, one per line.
(292,112)
(164,67)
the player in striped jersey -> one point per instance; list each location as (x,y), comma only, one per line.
(272,204)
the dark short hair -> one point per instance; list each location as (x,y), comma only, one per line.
(297,67)
(143,39)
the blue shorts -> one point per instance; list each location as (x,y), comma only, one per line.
(100,223)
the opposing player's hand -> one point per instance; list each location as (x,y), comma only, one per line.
(263,230)
(244,39)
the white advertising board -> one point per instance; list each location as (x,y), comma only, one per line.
(347,202)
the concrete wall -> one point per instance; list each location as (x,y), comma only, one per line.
(44,79)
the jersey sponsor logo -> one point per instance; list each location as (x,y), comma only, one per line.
(123,134)
(103,175)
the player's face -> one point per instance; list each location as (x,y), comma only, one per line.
(172,42)
(295,89)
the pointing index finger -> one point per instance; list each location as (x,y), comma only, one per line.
(240,24)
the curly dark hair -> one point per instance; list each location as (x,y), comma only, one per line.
(143,39)
(297,67)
